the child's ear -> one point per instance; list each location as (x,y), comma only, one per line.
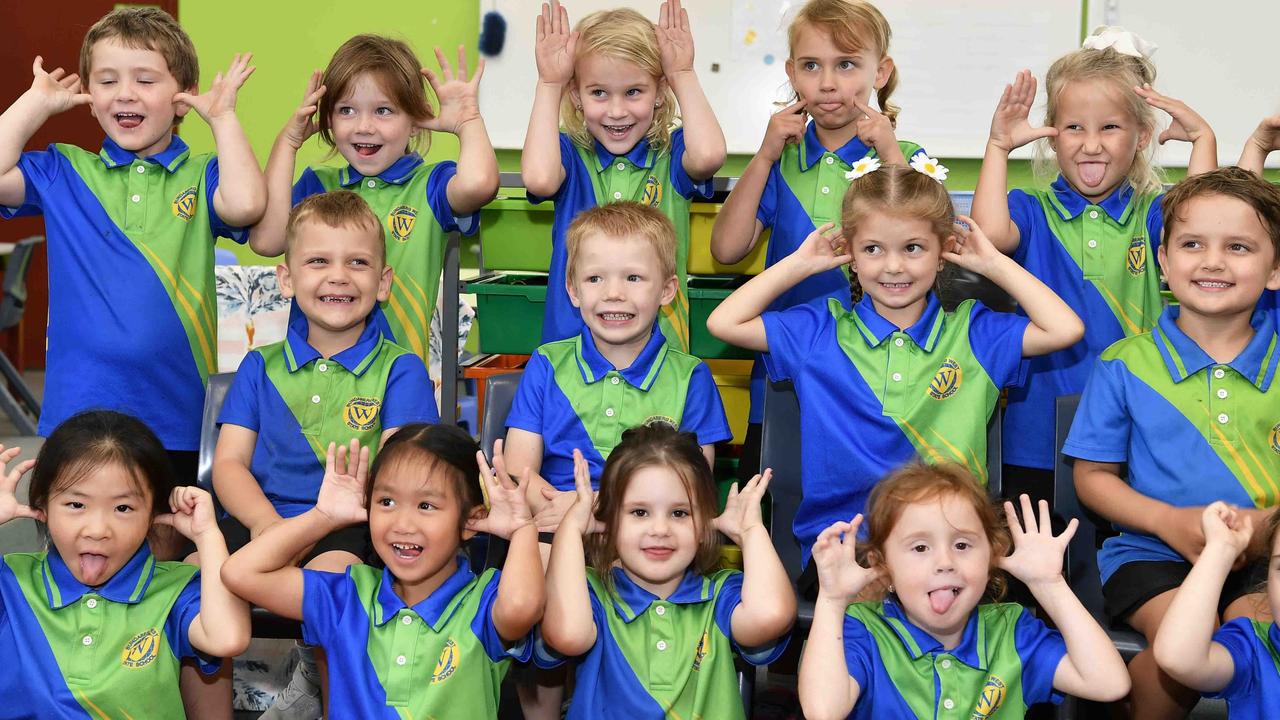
(384,283)
(285,280)
(790,67)
(1144,138)
(1162,257)
(574,96)
(572,290)
(883,71)
(180,109)
(1273,280)
(669,289)
(478,512)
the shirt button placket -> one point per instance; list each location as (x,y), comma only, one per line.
(88,656)
(404,643)
(135,211)
(897,379)
(1094,227)
(664,664)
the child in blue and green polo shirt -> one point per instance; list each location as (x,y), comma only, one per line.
(334,378)
(130,229)
(617,83)
(1191,409)
(95,626)
(371,107)
(932,648)
(896,377)
(424,637)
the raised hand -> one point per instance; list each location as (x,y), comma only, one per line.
(581,515)
(970,248)
(459,98)
(1010,127)
(220,98)
(875,130)
(1187,124)
(192,513)
(302,124)
(1224,525)
(675,42)
(1267,135)
(742,509)
(555,45)
(508,510)
(57,90)
(10,508)
(1037,552)
(840,576)
(825,248)
(785,126)
(341,495)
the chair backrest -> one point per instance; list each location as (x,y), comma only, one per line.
(14,297)
(1082,551)
(214,395)
(499,392)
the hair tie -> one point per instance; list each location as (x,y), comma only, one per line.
(921,163)
(1125,42)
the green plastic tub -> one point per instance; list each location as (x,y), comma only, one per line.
(705,293)
(509,312)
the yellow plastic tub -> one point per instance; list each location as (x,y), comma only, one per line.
(702,216)
(733,378)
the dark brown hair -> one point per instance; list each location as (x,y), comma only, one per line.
(1230,182)
(432,448)
(145,28)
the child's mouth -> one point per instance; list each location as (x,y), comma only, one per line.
(129,120)
(92,568)
(1213,285)
(366,149)
(895,287)
(343,299)
(406,551)
(941,600)
(658,553)
(618,132)
(616,317)
(1091,173)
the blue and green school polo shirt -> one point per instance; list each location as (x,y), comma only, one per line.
(412,199)
(656,658)
(873,397)
(593,177)
(1101,260)
(111,651)
(133,320)
(1005,663)
(574,398)
(1254,690)
(298,402)
(1191,430)
(806,189)
(440,658)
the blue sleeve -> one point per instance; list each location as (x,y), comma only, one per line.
(216,225)
(727,600)
(680,180)
(527,406)
(1023,211)
(1100,431)
(241,404)
(39,171)
(483,627)
(1041,650)
(791,335)
(568,155)
(325,599)
(308,184)
(767,210)
(177,627)
(859,654)
(1241,643)
(1155,223)
(410,395)
(996,340)
(438,199)
(703,411)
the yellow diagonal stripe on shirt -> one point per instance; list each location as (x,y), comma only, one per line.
(206,349)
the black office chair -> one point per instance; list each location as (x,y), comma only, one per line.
(499,393)
(16,399)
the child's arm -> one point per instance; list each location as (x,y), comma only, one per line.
(1184,647)
(827,690)
(241,196)
(1187,126)
(521,591)
(1054,325)
(1009,130)
(1092,668)
(1101,489)
(267,237)
(50,94)
(768,604)
(1264,140)
(263,572)
(737,319)
(737,229)
(238,491)
(476,181)
(10,508)
(540,166)
(221,628)
(569,625)
(704,140)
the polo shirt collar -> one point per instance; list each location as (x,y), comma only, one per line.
(640,156)
(1184,358)
(919,643)
(643,370)
(435,609)
(171,158)
(1070,203)
(875,329)
(397,174)
(128,585)
(356,359)
(632,601)
(812,150)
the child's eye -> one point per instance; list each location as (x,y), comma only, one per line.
(386,502)
(317,261)
(597,93)
(359,261)
(810,66)
(634,278)
(847,65)
(919,547)
(424,505)
(680,513)
(963,545)
(593,279)
(74,505)
(344,110)
(384,111)
(1239,248)
(640,512)
(633,92)
(124,508)
(1190,244)
(1074,127)
(871,250)
(914,248)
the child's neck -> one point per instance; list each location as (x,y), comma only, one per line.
(662,591)
(329,343)
(622,356)
(415,592)
(902,317)
(1221,338)
(835,138)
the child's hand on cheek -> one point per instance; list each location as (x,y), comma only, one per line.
(508,511)
(10,508)
(742,509)
(841,577)
(459,98)
(581,517)
(785,126)
(192,512)
(1037,552)
(875,129)
(341,495)
(220,98)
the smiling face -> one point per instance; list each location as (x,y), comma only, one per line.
(132,96)
(896,260)
(618,99)
(830,78)
(370,130)
(656,537)
(1098,137)
(939,560)
(99,522)
(618,284)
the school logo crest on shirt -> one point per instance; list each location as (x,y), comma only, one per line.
(946,381)
(990,700)
(701,652)
(661,420)
(360,413)
(447,664)
(401,221)
(652,192)
(142,650)
(1275,439)
(1136,259)
(184,205)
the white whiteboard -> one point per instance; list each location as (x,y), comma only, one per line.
(1220,61)
(954,58)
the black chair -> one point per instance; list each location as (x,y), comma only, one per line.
(16,399)
(499,392)
(265,624)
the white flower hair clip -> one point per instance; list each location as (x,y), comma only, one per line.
(1125,42)
(929,166)
(866,165)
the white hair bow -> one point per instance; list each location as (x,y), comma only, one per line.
(1122,41)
